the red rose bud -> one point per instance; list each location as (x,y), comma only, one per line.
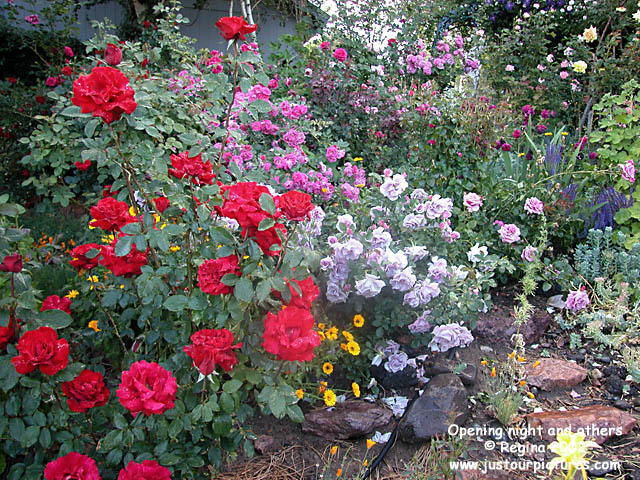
(66,71)
(113,54)
(54,302)
(12,263)
(233,28)
(40,99)
(82,166)
(162,203)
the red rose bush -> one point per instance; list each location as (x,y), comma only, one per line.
(41,349)
(210,348)
(86,391)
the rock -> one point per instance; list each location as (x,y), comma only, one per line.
(598,422)
(554,373)
(604,464)
(497,325)
(621,404)
(596,374)
(615,385)
(486,349)
(556,301)
(347,420)
(605,359)
(392,381)
(443,402)
(468,374)
(264,444)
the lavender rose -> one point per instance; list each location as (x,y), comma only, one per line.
(446,337)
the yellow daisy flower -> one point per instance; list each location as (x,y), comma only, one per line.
(353,348)
(347,335)
(300,394)
(327,368)
(72,294)
(358,321)
(332,333)
(329,398)
(356,389)
(93,325)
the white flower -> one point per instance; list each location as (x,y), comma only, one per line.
(477,253)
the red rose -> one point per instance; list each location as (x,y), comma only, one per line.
(210,274)
(41,100)
(289,335)
(8,333)
(110,214)
(233,28)
(201,173)
(86,391)
(82,166)
(107,192)
(242,203)
(41,348)
(161,203)
(148,388)
(105,93)
(267,238)
(74,466)
(309,292)
(66,71)
(212,347)
(112,54)
(54,302)
(295,205)
(147,470)
(125,266)
(79,258)
(12,263)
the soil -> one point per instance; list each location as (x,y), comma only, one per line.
(605,385)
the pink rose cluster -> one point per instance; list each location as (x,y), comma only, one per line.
(447,53)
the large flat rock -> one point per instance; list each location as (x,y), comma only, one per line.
(553,373)
(347,420)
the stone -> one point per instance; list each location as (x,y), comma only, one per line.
(554,373)
(443,402)
(347,420)
(598,422)
(392,381)
(497,325)
(600,466)
(264,444)
(468,374)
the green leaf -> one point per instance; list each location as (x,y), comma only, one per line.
(123,247)
(267,203)
(261,106)
(243,290)
(232,386)
(175,427)
(54,318)
(30,436)
(263,289)
(266,224)
(16,428)
(45,438)
(8,375)
(227,403)
(90,127)
(176,303)
(114,457)
(294,412)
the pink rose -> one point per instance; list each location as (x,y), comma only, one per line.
(628,171)
(577,300)
(340,54)
(325,46)
(472,202)
(529,253)
(533,206)
(509,233)
(564,74)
